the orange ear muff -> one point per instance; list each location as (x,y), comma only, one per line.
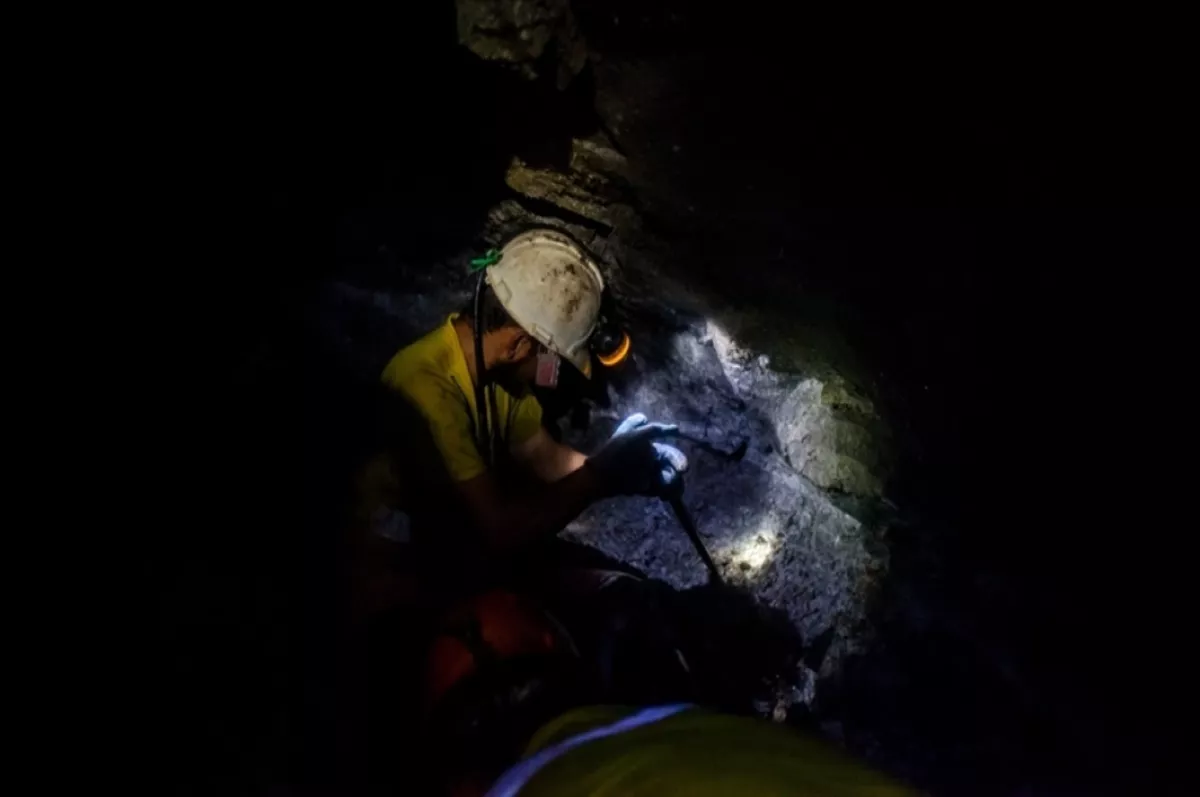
(617,354)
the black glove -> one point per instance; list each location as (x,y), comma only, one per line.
(632,462)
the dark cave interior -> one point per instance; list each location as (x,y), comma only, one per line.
(767,173)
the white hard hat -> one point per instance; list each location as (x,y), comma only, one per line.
(551,287)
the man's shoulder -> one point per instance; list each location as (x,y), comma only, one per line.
(424,369)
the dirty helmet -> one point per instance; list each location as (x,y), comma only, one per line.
(552,289)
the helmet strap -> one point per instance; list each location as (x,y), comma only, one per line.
(480,399)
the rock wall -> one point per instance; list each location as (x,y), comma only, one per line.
(524,35)
(769,528)
(829,434)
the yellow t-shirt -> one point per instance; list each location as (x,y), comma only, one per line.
(432,375)
(700,753)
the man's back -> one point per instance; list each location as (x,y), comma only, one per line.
(430,424)
(432,375)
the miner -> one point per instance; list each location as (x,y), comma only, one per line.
(471,476)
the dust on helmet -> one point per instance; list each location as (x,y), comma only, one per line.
(552,289)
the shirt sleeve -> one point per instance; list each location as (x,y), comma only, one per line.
(526,418)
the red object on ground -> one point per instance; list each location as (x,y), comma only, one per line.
(507,625)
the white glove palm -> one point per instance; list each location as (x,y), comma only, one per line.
(632,462)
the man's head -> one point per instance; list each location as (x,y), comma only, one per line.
(509,352)
(542,296)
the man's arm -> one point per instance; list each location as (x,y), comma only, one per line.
(630,463)
(508,521)
(548,458)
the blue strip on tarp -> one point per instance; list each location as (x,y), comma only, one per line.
(511,782)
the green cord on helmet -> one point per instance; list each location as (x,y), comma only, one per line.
(490,258)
